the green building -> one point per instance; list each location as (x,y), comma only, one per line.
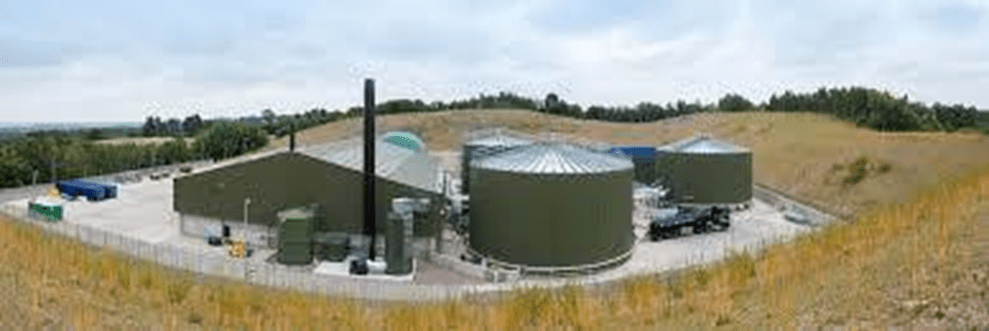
(329,176)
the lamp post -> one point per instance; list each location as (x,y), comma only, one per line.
(247,202)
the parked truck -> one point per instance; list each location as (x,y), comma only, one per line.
(699,219)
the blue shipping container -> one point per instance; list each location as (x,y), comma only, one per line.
(636,152)
(92,191)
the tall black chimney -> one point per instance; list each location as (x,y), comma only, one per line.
(369,207)
(291,138)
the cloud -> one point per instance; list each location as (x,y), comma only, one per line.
(117,60)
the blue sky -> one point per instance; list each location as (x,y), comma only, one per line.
(113,60)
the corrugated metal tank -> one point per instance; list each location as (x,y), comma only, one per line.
(295,236)
(551,205)
(480,148)
(704,170)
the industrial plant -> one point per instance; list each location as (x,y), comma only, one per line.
(383,206)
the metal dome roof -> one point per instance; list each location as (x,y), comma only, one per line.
(404,139)
(499,140)
(554,158)
(703,145)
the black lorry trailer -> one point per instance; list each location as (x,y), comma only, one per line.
(699,219)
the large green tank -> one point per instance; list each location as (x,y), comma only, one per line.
(706,171)
(295,236)
(551,205)
(482,147)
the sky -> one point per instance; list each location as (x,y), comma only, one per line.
(115,60)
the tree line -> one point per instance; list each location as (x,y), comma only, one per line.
(58,155)
(53,156)
(865,107)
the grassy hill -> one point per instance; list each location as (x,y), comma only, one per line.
(916,257)
(805,155)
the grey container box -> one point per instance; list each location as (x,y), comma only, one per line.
(551,205)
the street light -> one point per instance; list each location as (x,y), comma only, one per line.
(247,202)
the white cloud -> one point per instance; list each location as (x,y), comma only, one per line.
(92,66)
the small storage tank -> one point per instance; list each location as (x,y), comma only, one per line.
(482,147)
(295,236)
(551,205)
(708,171)
(398,237)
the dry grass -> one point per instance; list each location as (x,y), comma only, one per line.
(793,152)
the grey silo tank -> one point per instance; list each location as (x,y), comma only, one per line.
(706,171)
(551,205)
(480,148)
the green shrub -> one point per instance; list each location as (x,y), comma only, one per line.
(857,171)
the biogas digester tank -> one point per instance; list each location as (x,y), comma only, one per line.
(706,171)
(551,205)
(480,148)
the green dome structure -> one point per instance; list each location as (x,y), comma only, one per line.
(406,140)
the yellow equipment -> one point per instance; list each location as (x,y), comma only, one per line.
(237,249)
(53,192)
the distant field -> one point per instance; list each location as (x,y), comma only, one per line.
(797,153)
(141,140)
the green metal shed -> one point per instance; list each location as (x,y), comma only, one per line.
(330,175)
(551,205)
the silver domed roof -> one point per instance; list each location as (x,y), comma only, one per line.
(554,158)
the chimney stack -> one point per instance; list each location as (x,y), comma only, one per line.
(291,139)
(370,228)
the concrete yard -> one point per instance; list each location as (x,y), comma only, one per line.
(753,228)
(143,211)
